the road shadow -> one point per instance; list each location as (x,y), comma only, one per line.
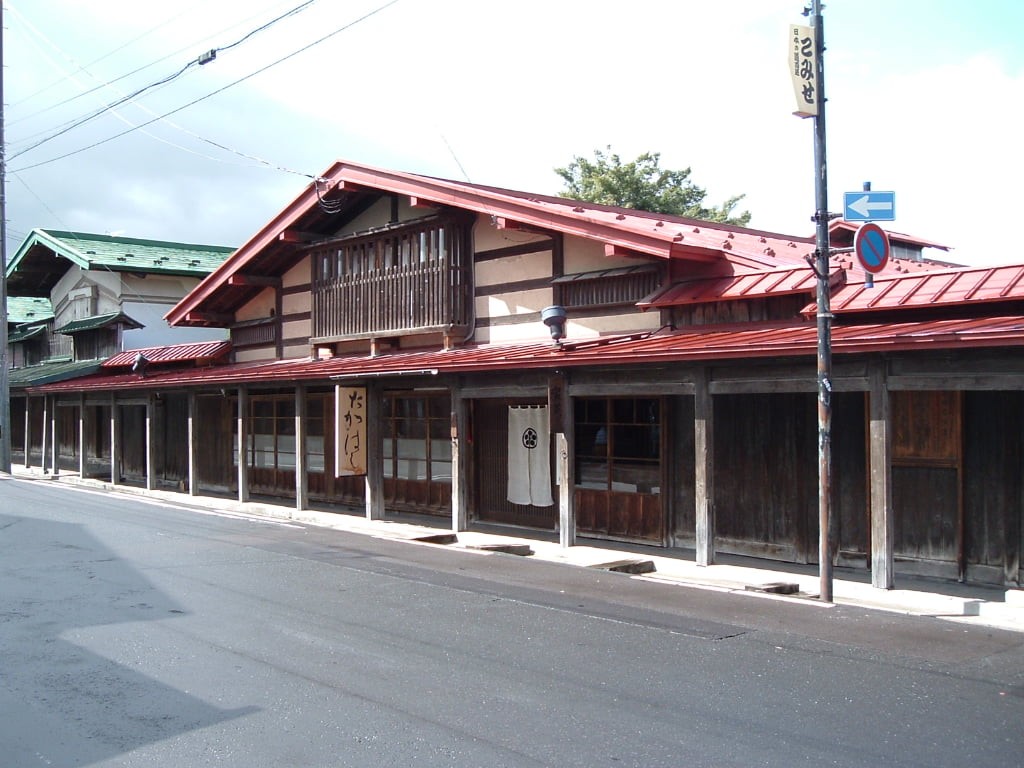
(62,704)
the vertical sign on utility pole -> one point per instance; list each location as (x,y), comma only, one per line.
(802,70)
(807,69)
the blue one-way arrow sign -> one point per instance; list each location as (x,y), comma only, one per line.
(869,206)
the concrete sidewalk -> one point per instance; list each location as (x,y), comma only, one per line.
(752,577)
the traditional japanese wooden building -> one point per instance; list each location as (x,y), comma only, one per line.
(391,335)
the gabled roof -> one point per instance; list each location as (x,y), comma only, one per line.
(28,309)
(348,187)
(947,287)
(203,352)
(46,255)
(98,321)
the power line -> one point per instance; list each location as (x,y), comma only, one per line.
(203,59)
(84,67)
(291,55)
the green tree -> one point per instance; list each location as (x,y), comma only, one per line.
(643,185)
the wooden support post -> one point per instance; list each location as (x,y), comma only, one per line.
(81,435)
(54,450)
(243,441)
(301,476)
(704,464)
(193,443)
(566,484)
(150,447)
(880,452)
(46,428)
(460,463)
(115,441)
(374,453)
(28,431)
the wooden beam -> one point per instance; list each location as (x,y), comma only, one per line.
(55,457)
(150,443)
(374,452)
(81,435)
(501,222)
(704,464)
(255,280)
(297,236)
(27,436)
(301,476)
(193,443)
(617,250)
(46,428)
(115,440)
(460,463)
(213,318)
(345,186)
(880,478)
(243,439)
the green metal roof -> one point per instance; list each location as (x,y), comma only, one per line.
(28,309)
(50,372)
(98,321)
(37,253)
(25,332)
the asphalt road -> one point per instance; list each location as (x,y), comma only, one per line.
(140,634)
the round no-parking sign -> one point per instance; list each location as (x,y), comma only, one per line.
(871,244)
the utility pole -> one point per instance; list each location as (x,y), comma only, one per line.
(824,317)
(5,382)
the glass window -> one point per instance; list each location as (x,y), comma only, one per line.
(618,444)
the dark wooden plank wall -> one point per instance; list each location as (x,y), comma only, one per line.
(214,445)
(994,482)
(926,459)
(766,490)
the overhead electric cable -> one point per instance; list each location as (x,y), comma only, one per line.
(252,74)
(202,59)
(84,67)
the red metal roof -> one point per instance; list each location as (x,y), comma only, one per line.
(945,287)
(755,284)
(705,343)
(197,352)
(618,228)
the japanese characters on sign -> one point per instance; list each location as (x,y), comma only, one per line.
(350,433)
(803,69)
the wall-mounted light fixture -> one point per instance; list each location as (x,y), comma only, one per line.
(554,318)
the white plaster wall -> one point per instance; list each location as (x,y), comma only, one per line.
(487,237)
(257,308)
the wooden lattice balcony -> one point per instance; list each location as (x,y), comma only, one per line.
(405,279)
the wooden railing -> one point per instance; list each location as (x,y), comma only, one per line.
(406,279)
(428,295)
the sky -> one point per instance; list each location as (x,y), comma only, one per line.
(925,99)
